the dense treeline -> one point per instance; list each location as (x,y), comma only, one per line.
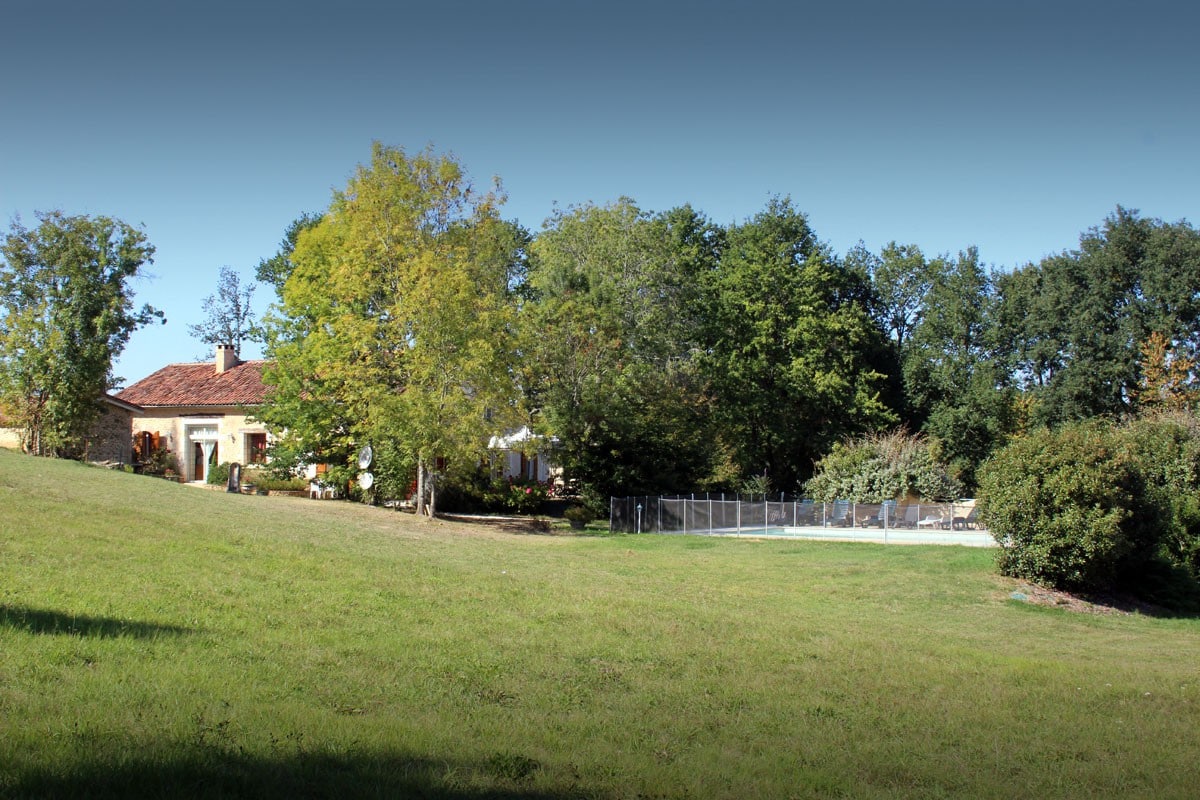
(666,352)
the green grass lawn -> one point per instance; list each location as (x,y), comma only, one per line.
(160,640)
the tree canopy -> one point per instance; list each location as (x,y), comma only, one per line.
(792,354)
(66,312)
(663,352)
(1076,323)
(611,331)
(396,320)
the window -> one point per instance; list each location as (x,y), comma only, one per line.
(529,467)
(256,448)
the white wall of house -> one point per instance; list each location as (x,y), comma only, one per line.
(515,464)
(518,455)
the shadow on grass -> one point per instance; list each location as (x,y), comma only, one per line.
(536,526)
(215,773)
(36,620)
(508,524)
(1156,588)
(1159,588)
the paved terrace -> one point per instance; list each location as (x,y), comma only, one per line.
(967,538)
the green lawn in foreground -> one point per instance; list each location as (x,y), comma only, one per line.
(162,640)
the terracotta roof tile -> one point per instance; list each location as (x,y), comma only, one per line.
(199,385)
(112,400)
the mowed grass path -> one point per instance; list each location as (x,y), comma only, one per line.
(159,640)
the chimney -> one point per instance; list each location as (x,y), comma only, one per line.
(226,357)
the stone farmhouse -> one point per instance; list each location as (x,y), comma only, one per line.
(201,412)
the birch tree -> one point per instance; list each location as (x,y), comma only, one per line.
(396,321)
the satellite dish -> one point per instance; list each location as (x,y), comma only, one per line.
(364,456)
(366,480)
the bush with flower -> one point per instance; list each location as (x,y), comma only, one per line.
(517,495)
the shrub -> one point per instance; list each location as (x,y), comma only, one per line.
(284,460)
(1069,508)
(881,467)
(1167,446)
(268,481)
(578,515)
(478,491)
(160,462)
(218,474)
(755,484)
(272,484)
(517,496)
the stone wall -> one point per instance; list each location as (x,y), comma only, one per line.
(111,439)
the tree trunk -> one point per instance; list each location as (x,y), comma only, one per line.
(420,486)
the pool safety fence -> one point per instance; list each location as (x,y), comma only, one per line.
(730,513)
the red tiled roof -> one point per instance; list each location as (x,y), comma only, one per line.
(199,385)
(5,422)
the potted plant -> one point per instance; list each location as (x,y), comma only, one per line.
(579,516)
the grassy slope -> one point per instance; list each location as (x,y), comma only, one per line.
(162,640)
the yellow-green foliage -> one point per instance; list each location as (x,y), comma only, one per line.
(396,320)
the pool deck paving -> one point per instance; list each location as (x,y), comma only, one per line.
(966,538)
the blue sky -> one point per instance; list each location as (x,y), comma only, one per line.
(1012,126)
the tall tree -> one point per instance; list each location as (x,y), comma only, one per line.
(1074,323)
(954,382)
(613,332)
(793,354)
(902,279)
(229,318)
(397,320)
(66,312)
